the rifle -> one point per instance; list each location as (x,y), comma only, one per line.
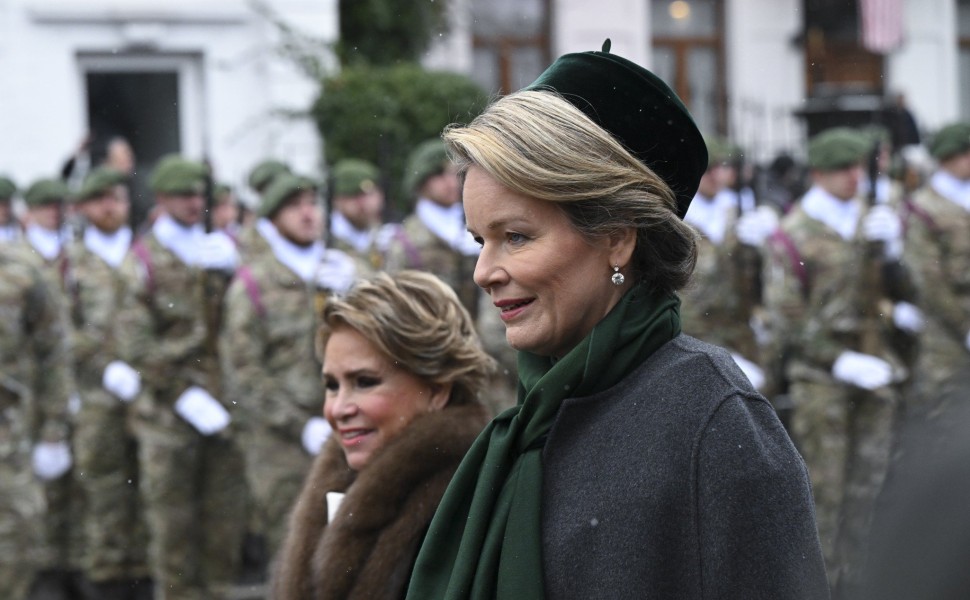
(214,285)
(747,269)
(870,280)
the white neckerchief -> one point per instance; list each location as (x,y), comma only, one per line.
(840,215)
(342,229)
(710,216)
(883,188)
(953,189)
(304,261)
(9,233)
(111,247)
(745,199)
(448,223)
(47,242)
(184,242)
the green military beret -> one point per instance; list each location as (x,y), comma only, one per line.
(175,175)
(951,140)
(638,109)
(284,187)
(7,188)
(99,181)
(719,150)
(46,191)
(428,159)
(837,148)
(264,173)
(352,176)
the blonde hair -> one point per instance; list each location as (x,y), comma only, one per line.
(538,144)
(418,323)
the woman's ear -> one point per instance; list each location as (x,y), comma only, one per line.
(440,395)
(621,246)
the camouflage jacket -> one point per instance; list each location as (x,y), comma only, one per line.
(94,291)
(161,327)
(416,247)
(270,371)
(35,372)
(818,298)
(937,254)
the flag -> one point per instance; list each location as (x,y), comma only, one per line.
(881,25)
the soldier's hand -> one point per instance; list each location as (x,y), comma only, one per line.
(336,272)
(121,380)
(881,224)
(862,370)
(754,227)
(51,460)
(907,317)
(202,411)
(315,433)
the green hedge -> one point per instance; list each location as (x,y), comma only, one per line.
(380,113)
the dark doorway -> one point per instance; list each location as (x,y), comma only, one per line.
(141,107)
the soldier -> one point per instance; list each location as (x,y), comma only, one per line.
(357,206)
(225,213)
(250,243)
(114,539)
(826,304)
(269,365)
(34,384)
(937,253)
(189,466)
(45,231)
(717,306)
(434,239)
(10,230)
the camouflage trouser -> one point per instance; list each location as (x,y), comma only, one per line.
(194,498)
(22,507)
(845,435)
(275,469)
(106,463)
(63,544)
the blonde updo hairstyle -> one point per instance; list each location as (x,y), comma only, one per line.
(538,144)
(417,322)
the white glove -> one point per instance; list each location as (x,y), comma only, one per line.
(51,460)
(218,252)
(755,226)
(862,370)
(121,380)
(753,372)
(202,411)
(881,224)
(907,317)
(337,271)
(315,433)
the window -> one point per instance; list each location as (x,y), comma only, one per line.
(511,43)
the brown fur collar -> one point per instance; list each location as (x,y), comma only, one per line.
(370,549)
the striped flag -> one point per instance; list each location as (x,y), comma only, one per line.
(882,25)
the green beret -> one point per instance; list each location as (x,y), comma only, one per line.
(222,192)
(428,159)
(719,151)
(284,187)
(99,181)
(953,139)
(638,109)
(875,134)
(352,176)
(175,175)
(7,188)
(264,173)
(46,191)
(837,148)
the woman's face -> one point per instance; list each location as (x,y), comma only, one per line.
(368,400)
(551,284)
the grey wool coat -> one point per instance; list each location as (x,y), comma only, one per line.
(677,483)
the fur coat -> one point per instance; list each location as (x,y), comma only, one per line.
(369,550)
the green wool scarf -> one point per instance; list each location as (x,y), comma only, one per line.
(485,539)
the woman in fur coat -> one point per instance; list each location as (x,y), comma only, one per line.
(402,368)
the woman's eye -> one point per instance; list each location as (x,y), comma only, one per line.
(515,238)
(479,240)
(330,385)
(366,382)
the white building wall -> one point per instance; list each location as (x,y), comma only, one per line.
(926,67)
(765,76)
(581,25)
(235,84)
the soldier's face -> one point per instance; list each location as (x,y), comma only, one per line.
(363,210)
(109,211)
(300,220)
(959,166)
(5,212)
(187,209)
(444,188)
(47,216)
(841,183)
(225,214)
(369,399)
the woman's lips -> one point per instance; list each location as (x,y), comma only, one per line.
(511,309)
(352,437)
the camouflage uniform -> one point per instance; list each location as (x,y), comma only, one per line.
(815,290)
(273,377)
(105,449)
(34,384)
(191,485)
(937,254)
